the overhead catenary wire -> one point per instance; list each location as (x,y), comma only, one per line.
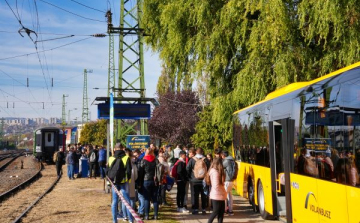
(22,84)
(88,6)
(55,34)
(27,54)
(38,54)
(71,12)
(20,100)
(64,37)
(18,19)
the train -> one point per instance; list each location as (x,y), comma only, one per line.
(47,141)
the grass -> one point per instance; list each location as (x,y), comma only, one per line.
(234,192)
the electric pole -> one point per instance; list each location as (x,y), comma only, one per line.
(85,110)
(131,59)
(111,71)
(63,116)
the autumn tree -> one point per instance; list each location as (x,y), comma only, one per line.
(174,120)
(94,132)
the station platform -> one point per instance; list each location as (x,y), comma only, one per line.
(84,200)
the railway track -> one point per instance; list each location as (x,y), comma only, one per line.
(6,160)
(15,207)
(21,184)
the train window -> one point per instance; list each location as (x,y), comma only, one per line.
(49,137)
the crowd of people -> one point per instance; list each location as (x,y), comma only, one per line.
(95,157)
(144,177)
(148,173)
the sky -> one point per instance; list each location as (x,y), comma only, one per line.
(55,56)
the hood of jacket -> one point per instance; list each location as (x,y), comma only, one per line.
(149,158)
(119,153)
(229,158)
(199,156)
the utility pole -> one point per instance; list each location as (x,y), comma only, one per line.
(111,71)
(63,116)
(85,110)
(131,59)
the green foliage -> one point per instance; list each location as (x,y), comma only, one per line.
(94,132)
(249,48)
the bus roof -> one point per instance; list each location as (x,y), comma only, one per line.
(298,85)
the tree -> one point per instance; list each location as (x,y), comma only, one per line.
(174,120)
(94,132)
(250,48)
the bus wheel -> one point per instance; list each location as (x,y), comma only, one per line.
(251,196)
(261,201)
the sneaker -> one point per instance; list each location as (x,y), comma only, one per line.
(230,213)
(203,212)
(156,218)
(184,210)
(125,219)
(178,209)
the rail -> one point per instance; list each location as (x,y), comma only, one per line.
(37,200)
(7,163)
(124,201)
(6,194)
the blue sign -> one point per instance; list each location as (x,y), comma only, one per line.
(137,141)
(124,111)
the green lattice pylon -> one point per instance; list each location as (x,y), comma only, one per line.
(131,78)
(85,109)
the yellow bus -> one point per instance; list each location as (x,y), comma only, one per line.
(298,150)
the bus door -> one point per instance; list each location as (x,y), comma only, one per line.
(281,137)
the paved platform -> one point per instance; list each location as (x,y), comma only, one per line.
(84,200)
(242,212)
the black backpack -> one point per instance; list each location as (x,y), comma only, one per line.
(233,170)
(116,172)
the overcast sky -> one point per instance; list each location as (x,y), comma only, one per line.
(20,60)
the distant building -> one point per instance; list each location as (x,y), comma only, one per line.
(54,121)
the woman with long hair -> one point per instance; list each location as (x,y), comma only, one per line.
(147,176)
(217,193)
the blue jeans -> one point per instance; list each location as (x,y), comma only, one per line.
(132,204)
(70,168)
(151,192)
(102,168)
(115,201)
(141,202)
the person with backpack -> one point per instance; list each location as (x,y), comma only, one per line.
(181,179)
(149,184)
(59,161)
(119,171)
(102,161)
(197,169)
(230,167)
(131,187)
(93,161)
(218,193)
